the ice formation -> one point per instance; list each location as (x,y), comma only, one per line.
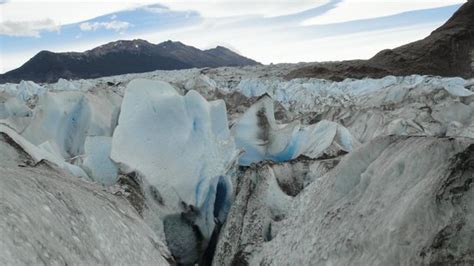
(97,162)
(180,144)
(296,131)
(38,154)
(66,118)
(261,138)
(49,217)
(396,200)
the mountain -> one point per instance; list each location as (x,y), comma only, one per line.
(447,51)
(121,57)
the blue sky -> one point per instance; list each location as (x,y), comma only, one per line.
(267,31)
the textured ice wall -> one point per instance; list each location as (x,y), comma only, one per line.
(97,162)
(180,144)
(394,201)
(261,138)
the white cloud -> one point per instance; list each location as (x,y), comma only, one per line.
(27,28)
(73,11)
(115,25)
(225,8)
(364,9)
(63,11)
(156,9)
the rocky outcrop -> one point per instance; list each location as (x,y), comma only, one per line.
(447,51)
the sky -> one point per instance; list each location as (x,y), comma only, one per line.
(269,31)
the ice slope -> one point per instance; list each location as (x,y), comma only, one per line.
(182,147)
(264,194)
(38,154)
(261,138)
(396,200)
(48,217)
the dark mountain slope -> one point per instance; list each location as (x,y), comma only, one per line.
(447,51)
(121,57)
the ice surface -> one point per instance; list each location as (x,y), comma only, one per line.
(38,154)
(261,138)
(49,217)
(97,162)
(182,150)
(66,118)
(28,89)
(180,144)
(387,202)
(16,107)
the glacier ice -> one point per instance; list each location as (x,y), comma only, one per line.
(182,150)
(49,217)
(67,118)
(28,90)
(261,138)
(38,154)
(386,202)
(16,107)
(97,162)
(264,196)
(180,144)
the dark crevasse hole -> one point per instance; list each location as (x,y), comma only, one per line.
(221,199)
(268,233)
(156,196)
(208,256)
(221,207)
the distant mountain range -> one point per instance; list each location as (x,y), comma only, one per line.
(122,57)
(448,51)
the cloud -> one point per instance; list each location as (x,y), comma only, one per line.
(349,10)
(27,28)
(225,8)
(157,9)
(115,25)
(63,12)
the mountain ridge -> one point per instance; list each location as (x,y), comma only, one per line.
(121,57)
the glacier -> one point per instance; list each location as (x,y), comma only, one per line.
(261,138)
(235,161)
